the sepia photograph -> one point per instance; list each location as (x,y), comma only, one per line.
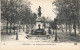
(40,22)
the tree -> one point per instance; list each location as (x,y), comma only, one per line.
(4,14)
(15,11)
(7,12)
(67,9)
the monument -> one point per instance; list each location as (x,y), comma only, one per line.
(39,23)
(39,30)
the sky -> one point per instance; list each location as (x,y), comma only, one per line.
(46,7)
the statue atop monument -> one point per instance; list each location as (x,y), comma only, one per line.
(39,12)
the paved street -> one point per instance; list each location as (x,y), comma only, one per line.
(7,39)
(62,37)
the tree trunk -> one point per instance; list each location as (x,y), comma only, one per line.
(56,35)
(19,28)
(69,29)
(74,29)
(66,27)
(14,28)
(17,34)
(23,27)
(7,28)
(10,28)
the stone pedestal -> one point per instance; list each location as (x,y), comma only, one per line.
(39,22)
